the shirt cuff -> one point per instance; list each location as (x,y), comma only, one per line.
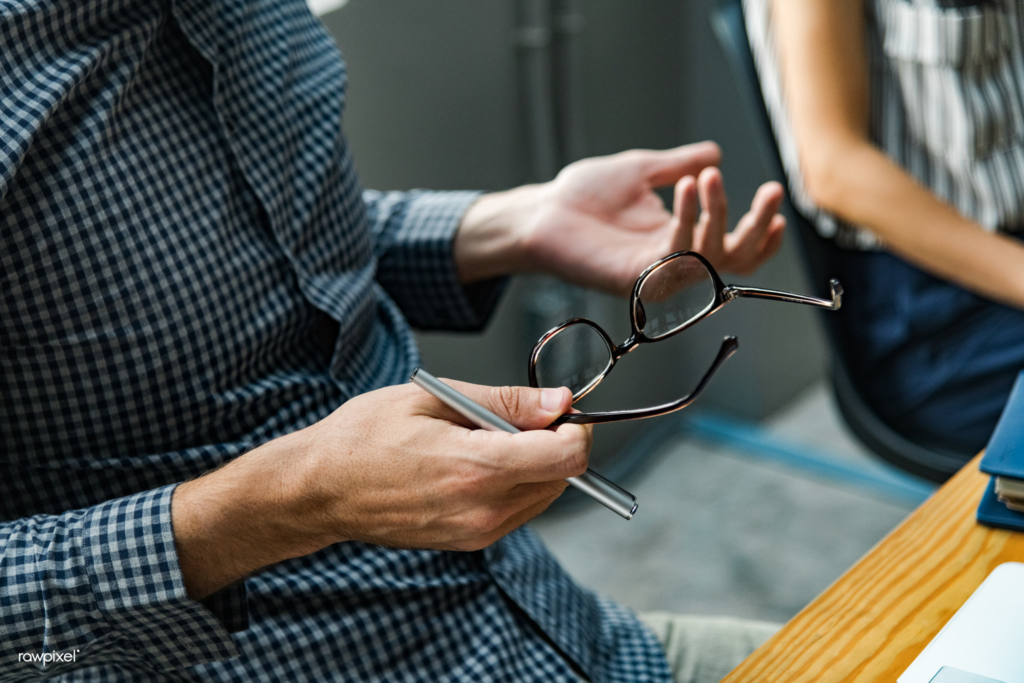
(138,587)
(231,606)
(418,269)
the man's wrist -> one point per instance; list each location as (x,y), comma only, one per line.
(492,238)
(247,515)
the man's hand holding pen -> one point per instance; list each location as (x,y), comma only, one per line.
(393,467)
(417,474)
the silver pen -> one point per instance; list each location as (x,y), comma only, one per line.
(606,493)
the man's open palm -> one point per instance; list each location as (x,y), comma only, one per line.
(600,222)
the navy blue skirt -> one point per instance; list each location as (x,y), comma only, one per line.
(935,361)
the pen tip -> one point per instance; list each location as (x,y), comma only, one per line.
(413,375)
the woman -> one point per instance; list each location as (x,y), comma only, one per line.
(901,126)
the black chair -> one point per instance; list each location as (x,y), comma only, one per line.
(936,465)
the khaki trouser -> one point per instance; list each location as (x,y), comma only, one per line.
(705,649)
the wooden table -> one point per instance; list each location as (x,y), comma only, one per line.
(872,622)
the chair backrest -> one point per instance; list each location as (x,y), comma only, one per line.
(730,29)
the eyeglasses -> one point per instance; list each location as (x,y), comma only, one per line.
(671,295)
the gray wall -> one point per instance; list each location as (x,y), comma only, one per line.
(435,100)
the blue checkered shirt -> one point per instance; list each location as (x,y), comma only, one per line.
(190,268)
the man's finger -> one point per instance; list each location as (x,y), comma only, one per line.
(684,215)
(714,218)
(543,455)
(491,524)
(524,407)
(776,231)
(745,245)
(535,455)
(751,259)
(665,167)
(766,202)
(521,517)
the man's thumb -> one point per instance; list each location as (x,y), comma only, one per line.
(528,408)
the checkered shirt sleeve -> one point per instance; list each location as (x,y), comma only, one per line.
(100,585)
(413,238)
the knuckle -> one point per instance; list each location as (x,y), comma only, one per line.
(484,541)
(578,456)
(472,481)
(587,440)
(468,545)
(553,490)
(632,156)
(578,463)
(481,522)
(511,399)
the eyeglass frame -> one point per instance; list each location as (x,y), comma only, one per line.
(723,294)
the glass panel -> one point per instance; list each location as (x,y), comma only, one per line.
(674,295)
(577,357)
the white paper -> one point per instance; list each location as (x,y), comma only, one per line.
(985,636)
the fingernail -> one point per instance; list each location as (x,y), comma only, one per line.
(551,400)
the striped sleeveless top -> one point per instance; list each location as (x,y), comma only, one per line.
(947,104)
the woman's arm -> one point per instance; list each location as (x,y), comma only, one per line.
(823,61)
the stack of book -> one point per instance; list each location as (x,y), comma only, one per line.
(1010,492)
(1003,503)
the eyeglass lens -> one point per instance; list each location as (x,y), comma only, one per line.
(576,357)
(673,295)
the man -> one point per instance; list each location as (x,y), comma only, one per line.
(194,284)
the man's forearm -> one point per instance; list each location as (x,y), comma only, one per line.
(489,242)
(244,516)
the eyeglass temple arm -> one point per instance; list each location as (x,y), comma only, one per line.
(729,346)
(732,292)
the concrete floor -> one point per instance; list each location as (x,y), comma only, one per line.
(720,532)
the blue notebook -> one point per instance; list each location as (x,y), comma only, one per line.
(1004,457)
(993,513)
